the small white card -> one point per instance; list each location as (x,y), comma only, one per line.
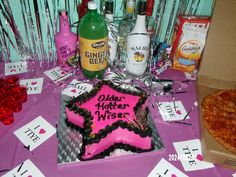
(192,150)
(172,111)
(191,76)
(34,86)
(166,169)
(76,88)
(15,68)
(25,169)
(35,132)
(57,74)
(234,175)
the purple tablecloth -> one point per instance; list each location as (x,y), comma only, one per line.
(47,104)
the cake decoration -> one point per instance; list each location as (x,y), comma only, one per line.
(110,117)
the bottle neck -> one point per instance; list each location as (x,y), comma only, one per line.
(92,11)
(130,9)
(150,6)
(129,15)
(109,17)
(64,24)
(140,24)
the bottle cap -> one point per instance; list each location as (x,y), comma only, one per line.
(109,7)
(130,6)
(142,7)
(63,12)
(92,5)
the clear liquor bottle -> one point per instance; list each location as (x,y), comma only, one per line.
(125,26)
(112,31)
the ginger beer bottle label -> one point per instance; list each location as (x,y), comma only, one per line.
(93,53)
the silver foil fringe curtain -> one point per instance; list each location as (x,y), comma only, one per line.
(27,27)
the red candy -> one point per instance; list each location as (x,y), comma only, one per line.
(12,96)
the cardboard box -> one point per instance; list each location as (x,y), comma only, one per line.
(218,71)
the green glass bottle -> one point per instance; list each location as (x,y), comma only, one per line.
(93,42)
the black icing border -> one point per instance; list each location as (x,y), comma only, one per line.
(73,126)
(87,139)
(107,152)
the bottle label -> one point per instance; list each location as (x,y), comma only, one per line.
(93,53)
(130,9)
(66,53)
(137,53)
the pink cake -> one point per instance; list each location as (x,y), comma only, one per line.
(110,118)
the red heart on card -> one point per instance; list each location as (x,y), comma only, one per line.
(62,73)
(33,83)
(30,176)
(173,175)
(178,112)
(12,70)
(73,90)
(199,157)
(42,131)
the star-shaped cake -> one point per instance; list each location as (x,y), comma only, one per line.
(110,118)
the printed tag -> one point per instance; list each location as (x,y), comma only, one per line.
(15,68)
(96,47)
(191,76)
(25,169)
(57,74)
(193,152)
(76,88)
(34,86)
(172,111)
(166,169)
(35,133)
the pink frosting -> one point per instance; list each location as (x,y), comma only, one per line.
(107,107)
(126,105)
(117,136)
(75,118)
(123,107)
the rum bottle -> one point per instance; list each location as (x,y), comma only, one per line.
(138,42)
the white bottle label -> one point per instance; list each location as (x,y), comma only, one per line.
(137,53)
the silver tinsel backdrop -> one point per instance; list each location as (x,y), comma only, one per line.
(27,27)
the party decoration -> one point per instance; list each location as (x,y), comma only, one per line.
(14,68)
(26,168)
(172,111)
(12,96)
(193,152)
(35,132)
(165,168)
(76,88)
(57,74)
(28,30)
(34,85)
